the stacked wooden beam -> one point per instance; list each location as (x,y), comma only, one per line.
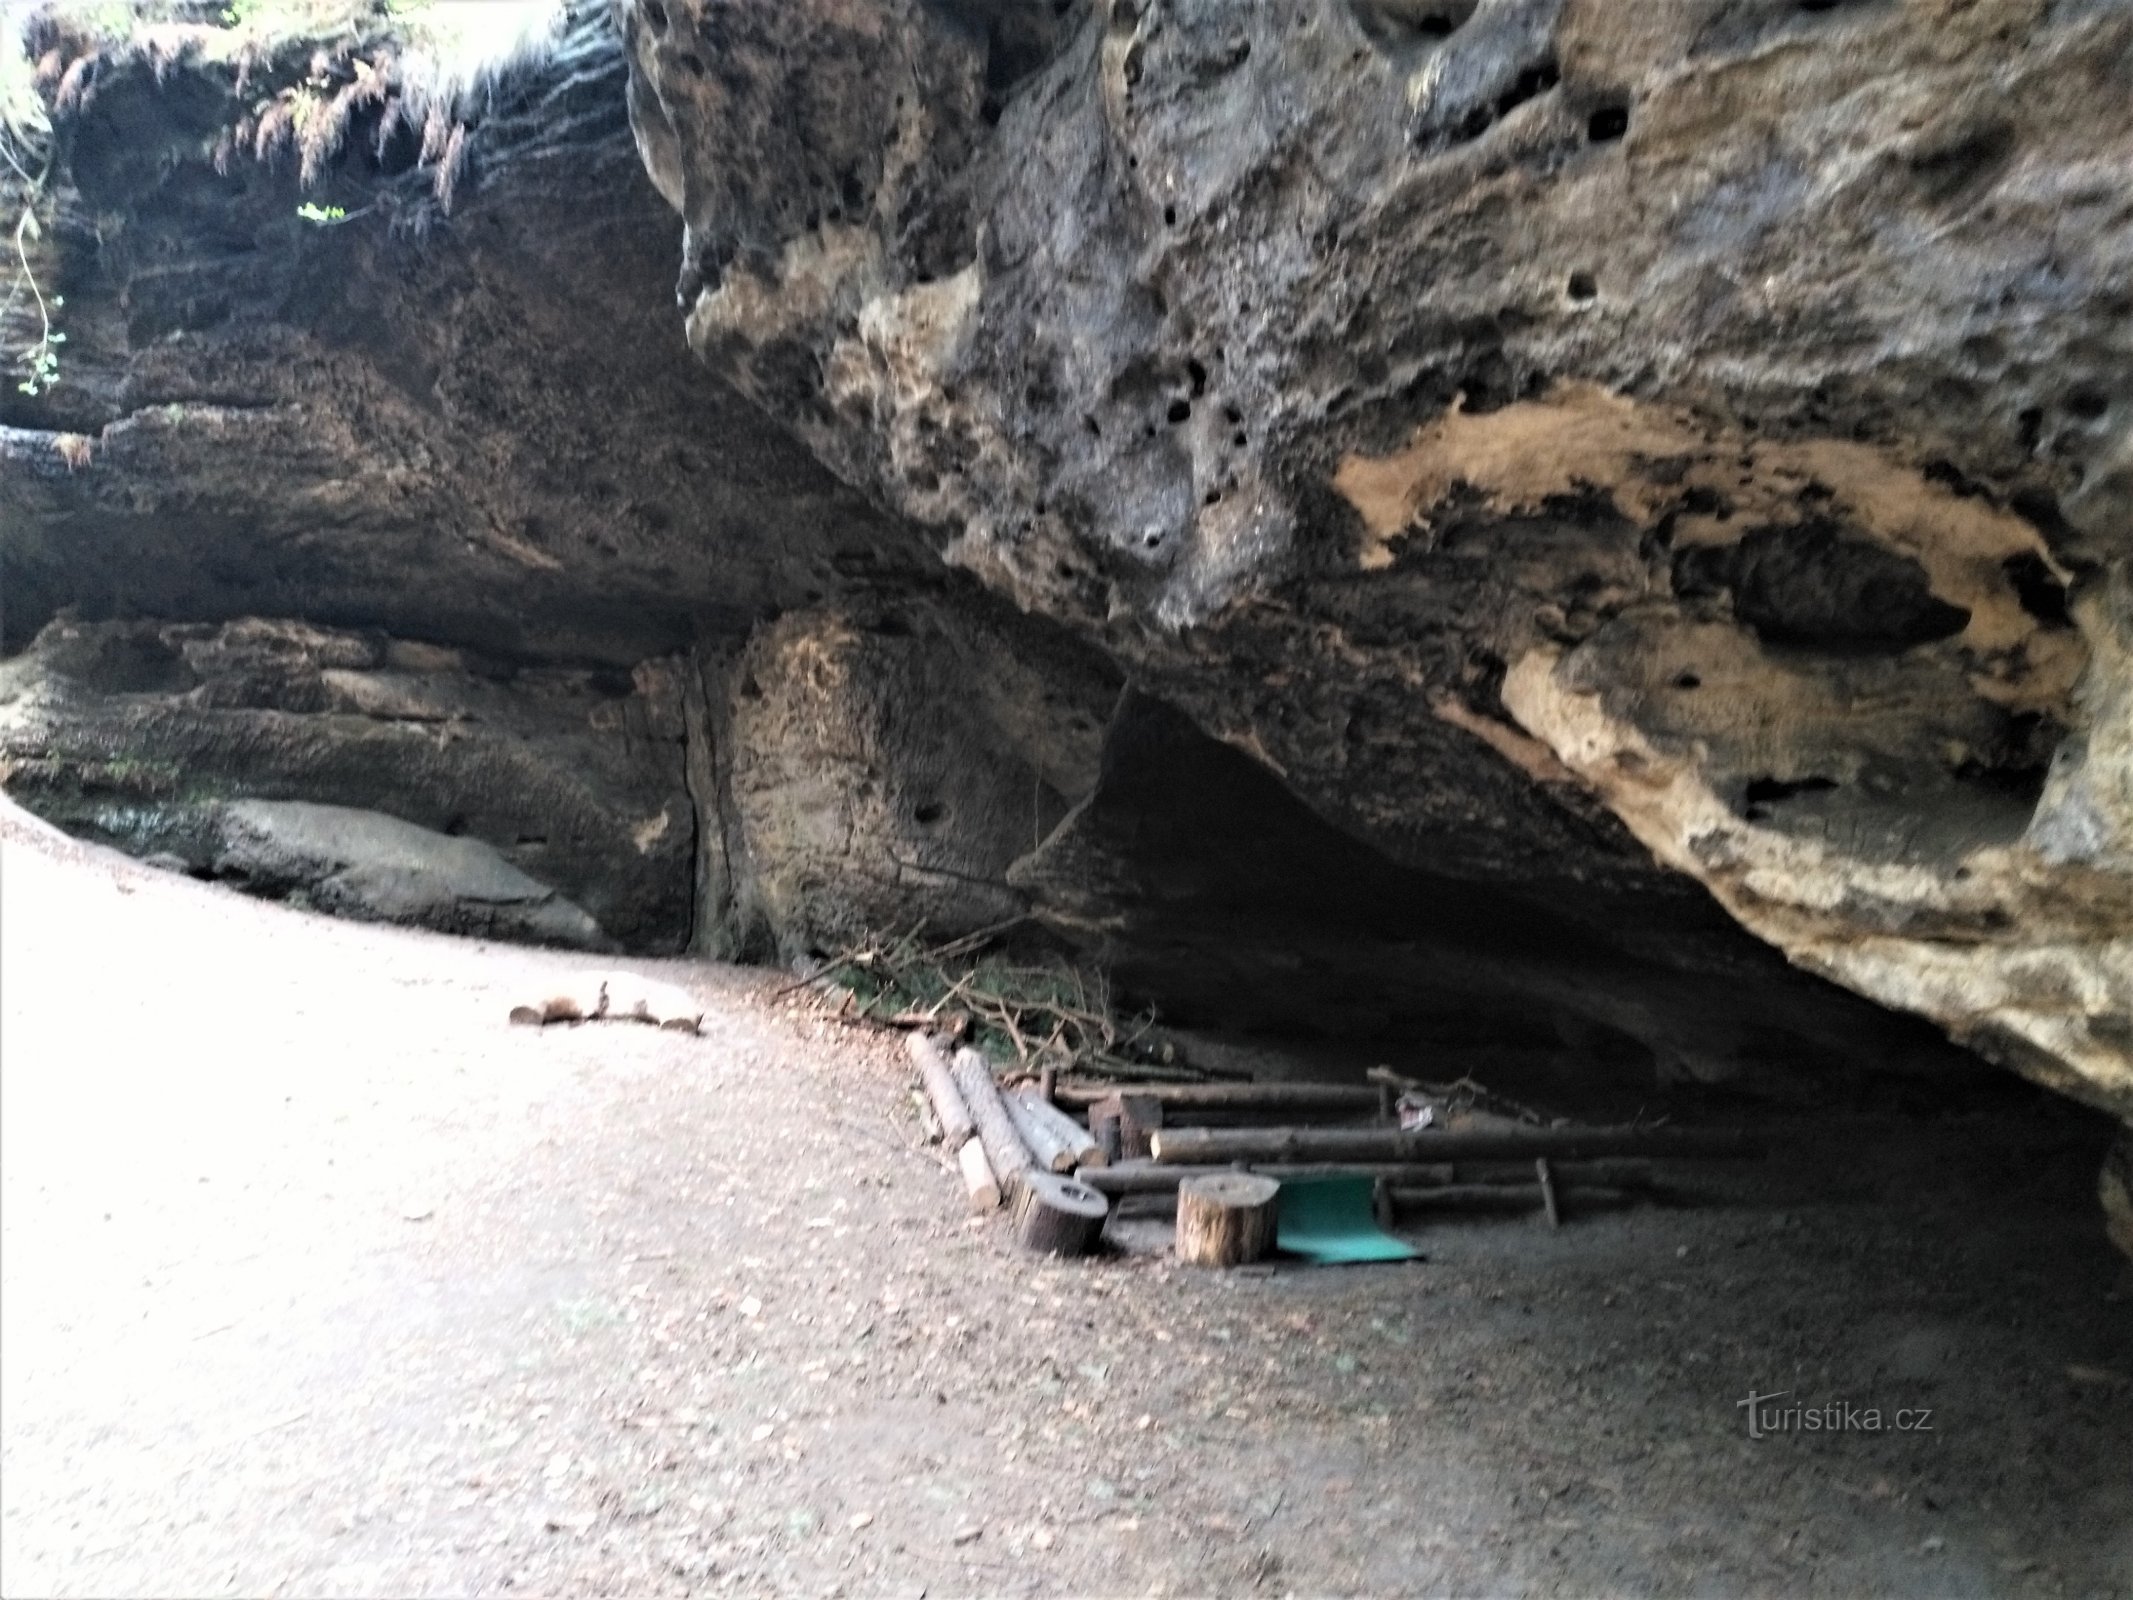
(1018,1148)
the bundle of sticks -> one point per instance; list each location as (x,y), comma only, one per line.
(1062,1154)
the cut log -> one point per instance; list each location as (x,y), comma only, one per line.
(956,1123)
(977,1175)
(1353,1099)
(1056,1216)
(1225,1218)
(1220,1146)
(1080,1143)
(1004,1149)
(1050,1152)
(1125,1124)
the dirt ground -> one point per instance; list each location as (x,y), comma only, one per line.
(322,1280)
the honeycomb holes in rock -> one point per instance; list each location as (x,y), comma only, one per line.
(1530,83)
(1607,124)
(1396,27)
(2036,590)
(1762,793)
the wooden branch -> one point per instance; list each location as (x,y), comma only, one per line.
(1057,1216)
(1004,1148)
(1355,1099)
(956,1123)
(1225,1218)
(977,1175)
(1221,1146)
(615,997)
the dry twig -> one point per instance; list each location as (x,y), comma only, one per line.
(1036,1011)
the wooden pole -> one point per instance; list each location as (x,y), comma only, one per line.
(956,1123)
(984,1190)
(1225,1218)
(1160,1177)
(1220,1146)
(1056,1216)
(1547,1187)
(1163,1177)
(1004,1149)
(1352,1098)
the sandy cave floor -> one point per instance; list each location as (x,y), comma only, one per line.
(321,1279)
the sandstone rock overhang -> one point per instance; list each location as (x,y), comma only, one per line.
(1406,517)
(1493,415)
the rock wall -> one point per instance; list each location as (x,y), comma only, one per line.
(384,778)
(1570,444)
(1518,520)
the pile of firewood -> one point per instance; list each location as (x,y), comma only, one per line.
(1210,1146)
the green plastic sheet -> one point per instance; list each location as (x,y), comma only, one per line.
(1330,1221)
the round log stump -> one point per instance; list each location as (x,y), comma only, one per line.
(1225,1218)
(1057,1216)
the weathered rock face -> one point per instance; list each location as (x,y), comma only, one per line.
(1442,505)
(477,429)
(1568,443)
(469,795)
(888,769)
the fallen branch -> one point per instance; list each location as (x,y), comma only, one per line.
(613,997)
